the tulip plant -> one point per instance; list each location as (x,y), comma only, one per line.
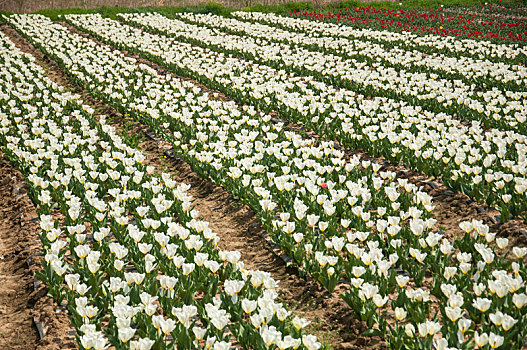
(124,248)
(340,219)
(487,164)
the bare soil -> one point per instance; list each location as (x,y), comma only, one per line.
(15,277)
(25,310)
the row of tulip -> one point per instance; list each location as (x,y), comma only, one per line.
(123,246)
(470,70)
(448,45)
(332,216)
(497,108)
(489,165)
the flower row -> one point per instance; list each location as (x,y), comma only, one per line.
(291,169)
(479,25)
(466,68)
(321,159)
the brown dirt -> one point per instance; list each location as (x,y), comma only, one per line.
(20,6)
(16,325)
(23,300)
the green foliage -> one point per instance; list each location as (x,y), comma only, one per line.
(111,12)
(55,14)
(347,4)
(406,3)
(409,3)
(215,8)
(309,6)
(281,8)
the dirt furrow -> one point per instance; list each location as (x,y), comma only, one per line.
(16,324)
(26,313)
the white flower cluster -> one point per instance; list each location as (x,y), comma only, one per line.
(490,165)
(135,265)
(507,109)
(465,67)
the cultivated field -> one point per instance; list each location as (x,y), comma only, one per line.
(354,179)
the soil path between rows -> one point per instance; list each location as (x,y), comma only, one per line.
(26,312)
(16,325)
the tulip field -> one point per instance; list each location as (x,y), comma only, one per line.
(486,22)
(129,256)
